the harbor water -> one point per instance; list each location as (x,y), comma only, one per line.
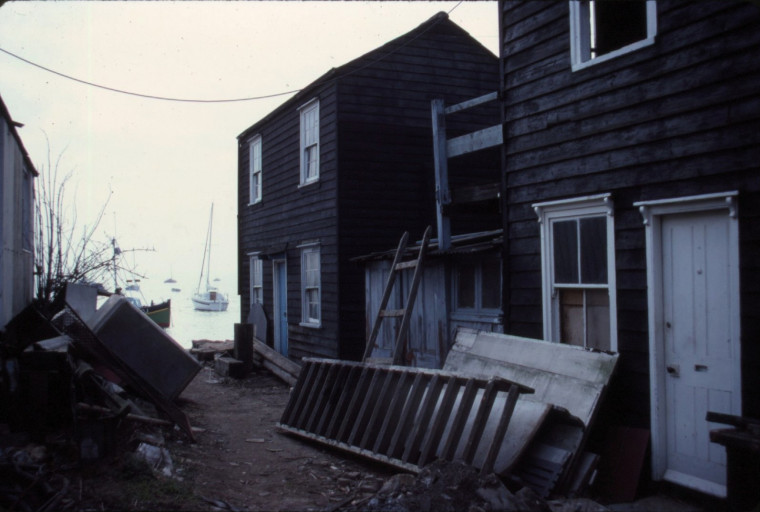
(188,324)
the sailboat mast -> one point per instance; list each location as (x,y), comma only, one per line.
(208,264)
(206,250)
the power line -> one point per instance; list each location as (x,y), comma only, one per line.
(189,100)
(149,96)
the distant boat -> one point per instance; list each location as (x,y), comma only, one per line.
(170,280)
(176,290)
(211,299)
(159,313)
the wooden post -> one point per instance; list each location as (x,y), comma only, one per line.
(440,159)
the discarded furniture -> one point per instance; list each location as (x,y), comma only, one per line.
(404,417)
(397,356)
(89,345)
(570,381)
(742,458)
(144,346)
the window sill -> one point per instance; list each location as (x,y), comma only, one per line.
(485,317)
(310,325)
(578,66)
(308,183)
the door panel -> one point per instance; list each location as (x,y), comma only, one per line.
(280,306)
(699,348)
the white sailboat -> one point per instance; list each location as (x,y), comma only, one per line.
(211,299)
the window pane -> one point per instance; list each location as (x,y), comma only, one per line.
(571,317)
(491,278)
(465,286)
(618,24)
(310,161)
(565,240)
(594,250)
(598,319)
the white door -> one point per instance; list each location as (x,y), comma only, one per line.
(700,348)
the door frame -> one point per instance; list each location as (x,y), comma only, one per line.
(280,286)
(653,213)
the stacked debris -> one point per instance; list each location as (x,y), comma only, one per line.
(73,376)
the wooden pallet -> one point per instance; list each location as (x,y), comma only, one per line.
(404,417)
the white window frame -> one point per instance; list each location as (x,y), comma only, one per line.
(255,170)
(256,268)
(309,139)
(478,312)
(306,319)
(580,35)
(569,209)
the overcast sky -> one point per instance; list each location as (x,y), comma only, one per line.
(167,161)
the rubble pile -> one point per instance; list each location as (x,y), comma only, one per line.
(444,486)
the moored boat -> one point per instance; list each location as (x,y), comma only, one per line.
(211,299)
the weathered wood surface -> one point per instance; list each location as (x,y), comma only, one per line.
(278,364)
(565,376)
(402,416)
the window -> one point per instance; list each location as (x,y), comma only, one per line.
(601,30)
(578,271)
(257,279)
(477,286)
(254,166)
(311,314)
(310,142)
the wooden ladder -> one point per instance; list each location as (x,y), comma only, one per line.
(382,313)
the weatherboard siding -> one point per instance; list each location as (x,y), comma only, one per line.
(678,118)
(376,174)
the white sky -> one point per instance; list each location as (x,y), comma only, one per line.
(166,162)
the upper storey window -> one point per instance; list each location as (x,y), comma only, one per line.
(310,142)
(601,30)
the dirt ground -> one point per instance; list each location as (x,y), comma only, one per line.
(242,460)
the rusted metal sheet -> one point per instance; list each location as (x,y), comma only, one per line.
(401,416)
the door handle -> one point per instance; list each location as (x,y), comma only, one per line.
(673,370)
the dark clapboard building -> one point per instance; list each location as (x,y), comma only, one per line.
(632,174)
(343,169)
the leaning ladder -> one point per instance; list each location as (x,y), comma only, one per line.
(382,313)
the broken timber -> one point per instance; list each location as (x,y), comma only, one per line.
(403,417)
(276,363)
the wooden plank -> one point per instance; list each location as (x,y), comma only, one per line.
(479,424)
(436,430)
(441,166)
(475,141)
(566,376)
(474,102)
(501,430)
(288,366)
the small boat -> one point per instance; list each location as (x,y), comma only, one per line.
(176,290)
(158,312)
(211,299)
(170,280)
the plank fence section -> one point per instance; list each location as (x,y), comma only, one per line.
(404,417)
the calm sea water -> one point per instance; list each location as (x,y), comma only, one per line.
(189,324)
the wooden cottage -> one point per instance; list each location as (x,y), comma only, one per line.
(343,169)
(632,198)
(17,222)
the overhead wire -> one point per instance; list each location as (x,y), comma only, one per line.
(194,100)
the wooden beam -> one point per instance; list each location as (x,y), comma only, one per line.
(275,361)
(440,160)
(474,102)
(474,141)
